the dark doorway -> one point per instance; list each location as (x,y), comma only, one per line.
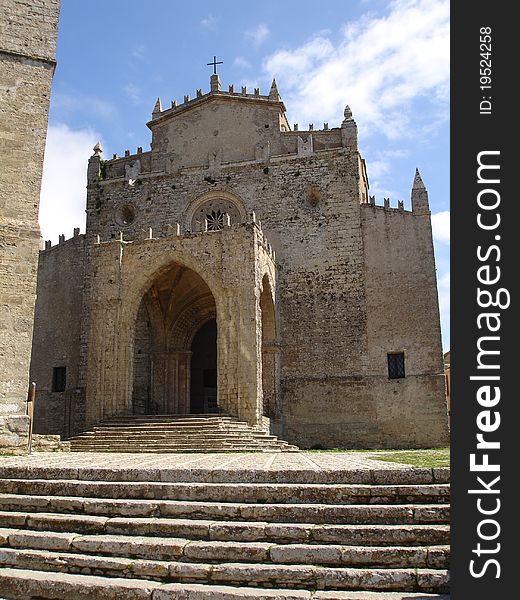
(203,396)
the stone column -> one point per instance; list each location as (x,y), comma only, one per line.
(159,381)
(179,379)
(270,378)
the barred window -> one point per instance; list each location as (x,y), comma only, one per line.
(59,379)
(395,365)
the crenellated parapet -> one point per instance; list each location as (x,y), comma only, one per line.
(176,230)
(47,244)
(419,200)
(388,205)
(200,97)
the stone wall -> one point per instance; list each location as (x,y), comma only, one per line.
(27,49)
(56,341)
(403,316)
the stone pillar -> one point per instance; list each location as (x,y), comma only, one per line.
(158,384)
(215,83)
(270,378)
(179,382)
(27,61)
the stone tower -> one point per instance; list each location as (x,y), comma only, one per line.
(28,33)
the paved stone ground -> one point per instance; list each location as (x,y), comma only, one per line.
(293,467)
(315,461)
(312,462)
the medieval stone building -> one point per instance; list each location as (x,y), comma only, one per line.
(240,266)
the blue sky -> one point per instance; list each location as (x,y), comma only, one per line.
(388,60)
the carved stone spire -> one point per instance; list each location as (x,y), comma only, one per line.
(157,108)
(274,94)
(349,130)
(418,182)
(420,203)
(98,149)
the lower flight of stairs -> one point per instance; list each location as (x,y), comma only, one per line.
(180,433)
(196,540)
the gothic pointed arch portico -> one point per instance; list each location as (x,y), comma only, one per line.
(157,293)
(174,308)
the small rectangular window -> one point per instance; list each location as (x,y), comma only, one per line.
(59,379)
(395,365)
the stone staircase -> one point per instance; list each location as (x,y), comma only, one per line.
(125,534)
(177,433)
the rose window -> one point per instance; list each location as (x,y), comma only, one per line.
(215,220)
(214,212)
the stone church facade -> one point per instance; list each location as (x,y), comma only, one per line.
(240,266)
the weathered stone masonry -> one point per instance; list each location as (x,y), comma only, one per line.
(27,52)
(236,217)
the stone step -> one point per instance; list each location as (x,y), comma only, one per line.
(176,433)
(188,425)
(309,513)
(178,448)
(169,434)
(166,448)
(257,531)
(19,584)
(202,440)
(256,493)
(195,418)
(217,551)
(196,443)
(243,574)
(103,467)
(172,417)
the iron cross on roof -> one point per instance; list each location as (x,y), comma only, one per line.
(215,63)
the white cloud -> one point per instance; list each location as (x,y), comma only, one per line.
(241,63)
(133,92)
(380,66)
(258,34)
(441,227)
(63,193)
(138,51)
(75,102)
(210,23)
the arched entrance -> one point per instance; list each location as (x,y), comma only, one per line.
(203,389)
(173,324)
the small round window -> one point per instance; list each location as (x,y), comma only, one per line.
(125,215)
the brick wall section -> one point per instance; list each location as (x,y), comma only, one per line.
(27,48)
(57,337)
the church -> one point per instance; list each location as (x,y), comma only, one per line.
(240,267)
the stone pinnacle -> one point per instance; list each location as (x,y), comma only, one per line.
(273,92)
(418,182)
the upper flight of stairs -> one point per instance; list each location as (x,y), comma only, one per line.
(176,433)
(127,535)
